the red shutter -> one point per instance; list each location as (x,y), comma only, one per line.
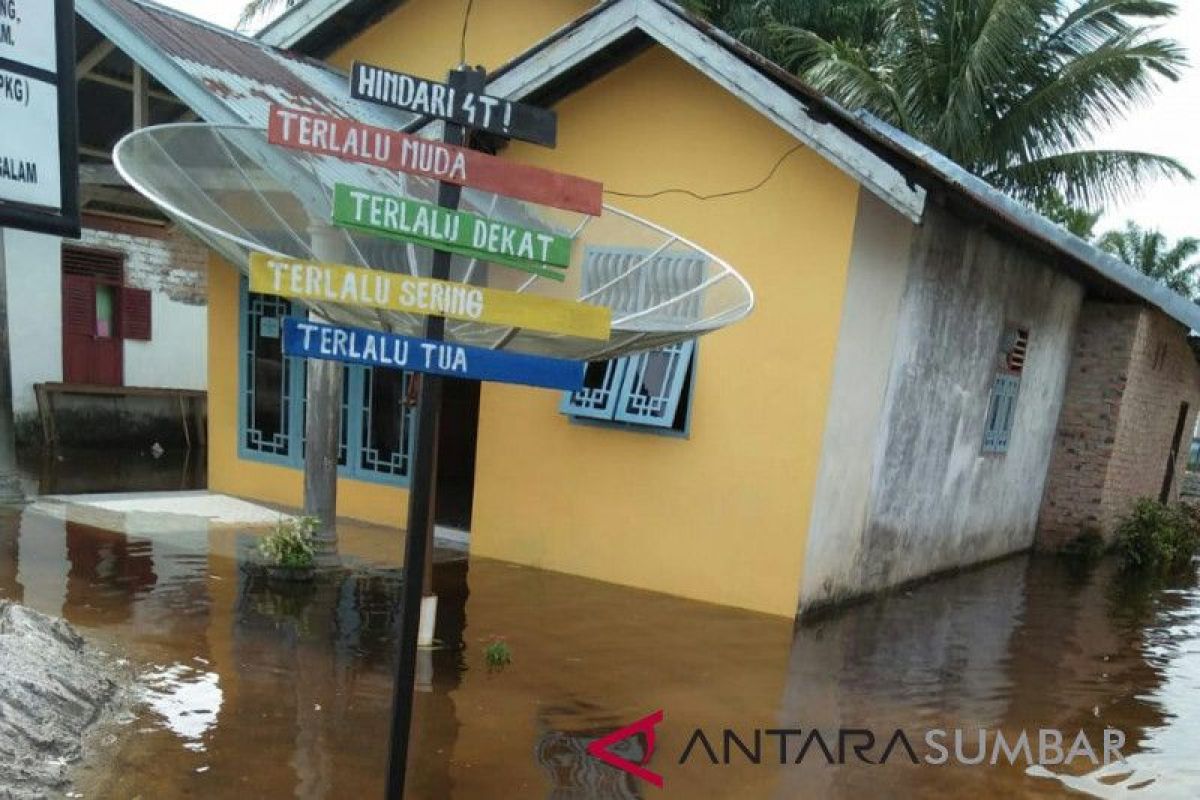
(79,305)
(105,266)
(135,314)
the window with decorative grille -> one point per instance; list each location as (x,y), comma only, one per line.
(1002,405)
(376,423)
(650,389)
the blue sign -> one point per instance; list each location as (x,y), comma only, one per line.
(378,349)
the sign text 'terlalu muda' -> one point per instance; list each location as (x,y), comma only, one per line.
(354,141)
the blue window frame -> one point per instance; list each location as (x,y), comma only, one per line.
(377,422)
(652,389)
(1002,411)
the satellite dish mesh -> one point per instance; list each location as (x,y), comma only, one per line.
(237,193)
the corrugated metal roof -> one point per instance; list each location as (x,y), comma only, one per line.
(242,75)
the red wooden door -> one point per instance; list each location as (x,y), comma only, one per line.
(91,346)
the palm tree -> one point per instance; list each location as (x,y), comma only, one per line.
(1147,251)
(1013,90)
(859,22)
(258,8)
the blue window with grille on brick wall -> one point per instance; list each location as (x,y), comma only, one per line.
(377,421)
(1006,387)
(650,390)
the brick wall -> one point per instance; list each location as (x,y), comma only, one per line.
(174,264)
(1163,375)
(1131,369)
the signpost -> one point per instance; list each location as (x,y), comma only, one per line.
(469,108)
(387,350)
(342,283)
(448,231)
(380,147)
(456,231)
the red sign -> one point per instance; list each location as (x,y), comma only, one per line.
(380,147)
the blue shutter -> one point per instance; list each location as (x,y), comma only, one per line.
(653,385)
(1002,411)
(643,389)
(602,382)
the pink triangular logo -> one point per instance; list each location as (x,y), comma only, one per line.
(644,726)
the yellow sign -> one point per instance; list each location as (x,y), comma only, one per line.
(357,286)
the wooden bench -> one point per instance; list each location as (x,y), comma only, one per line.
(192,403)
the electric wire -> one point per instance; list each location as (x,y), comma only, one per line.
(462,42)
(714,195)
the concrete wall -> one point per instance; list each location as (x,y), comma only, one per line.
(874,288)
(1131,370)
(936,501)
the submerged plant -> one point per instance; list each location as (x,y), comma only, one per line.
(497,654)
(1084,549)
(290,543)
(1156,537)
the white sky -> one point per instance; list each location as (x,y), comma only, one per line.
(1170,126)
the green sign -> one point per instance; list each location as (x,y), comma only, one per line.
(467,234)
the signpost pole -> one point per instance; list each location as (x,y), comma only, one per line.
(422,486)
(10,482)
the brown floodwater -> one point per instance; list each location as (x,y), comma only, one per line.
(250,688)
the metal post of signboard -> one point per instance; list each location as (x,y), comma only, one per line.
(422,489)
(10,481)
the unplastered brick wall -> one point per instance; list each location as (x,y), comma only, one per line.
(1131,369)
(176,264)
(1163,375)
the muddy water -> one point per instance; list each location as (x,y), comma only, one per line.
(259,690)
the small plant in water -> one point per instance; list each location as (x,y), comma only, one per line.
(497,654)
(1159,538)
(1084,549)
(290,543)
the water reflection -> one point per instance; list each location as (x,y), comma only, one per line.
(258,689)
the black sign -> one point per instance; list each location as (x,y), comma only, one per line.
(39,147)
(469,109)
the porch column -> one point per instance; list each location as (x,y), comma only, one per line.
(322,420)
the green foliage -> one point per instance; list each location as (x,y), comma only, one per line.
(1086,548)
(290,543)
(497,654)
(259,8)
(1013,90)
(1158,538)
(1079,221)
(1148,252)
(760,23)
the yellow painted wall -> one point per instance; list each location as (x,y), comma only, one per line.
(422,38)
(372,502)
(721,516)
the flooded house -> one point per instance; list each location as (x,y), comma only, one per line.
(933,376)
(103,328)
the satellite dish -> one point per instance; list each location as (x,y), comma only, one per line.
(239,194)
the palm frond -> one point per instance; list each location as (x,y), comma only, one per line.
(1087,177)
(1087,94)
(254,9)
